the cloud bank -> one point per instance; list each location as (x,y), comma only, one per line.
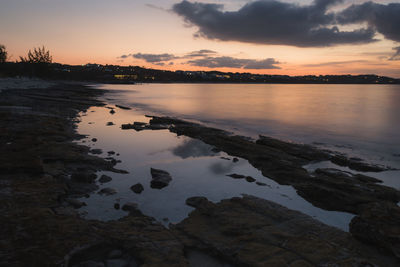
(272,22)
(205,58)
(231,62)
(281,23)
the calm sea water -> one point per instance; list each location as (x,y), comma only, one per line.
(360,120)
(356,119)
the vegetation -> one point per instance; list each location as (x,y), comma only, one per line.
(38,55)
(3,54)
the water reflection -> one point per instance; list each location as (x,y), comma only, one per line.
(362,115)
(195,171)
(193,148)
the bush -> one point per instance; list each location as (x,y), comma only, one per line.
(38,55)
(3,54)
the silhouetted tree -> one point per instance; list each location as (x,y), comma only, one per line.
(38,55)
(3,54)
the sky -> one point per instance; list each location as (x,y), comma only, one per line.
(289,37)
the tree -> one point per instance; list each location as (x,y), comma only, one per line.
(38,55)
(3,54)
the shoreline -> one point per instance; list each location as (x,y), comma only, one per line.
(42,124)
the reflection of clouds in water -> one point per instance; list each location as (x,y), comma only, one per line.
(193,148)
(221,167)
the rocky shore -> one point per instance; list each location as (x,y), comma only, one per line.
(43,171)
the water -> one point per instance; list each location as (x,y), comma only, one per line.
(195,168)
(360,120)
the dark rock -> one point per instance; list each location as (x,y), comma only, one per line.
(117,206)
(250,231)
(235,160)
(129,206)
(196,201)
(105,179)
(112,111)
(261,184)
(137,188)
(357,164)
(110,123)
(110,152)
(75,203)
(96,151)
(89,264)
(114,254)
(135,126)
(123,107)
(236,176)
(94,139)
(224,158)
(156,127)
(379,224)
(250,179)
(160,178)
(83,177)
(107,191)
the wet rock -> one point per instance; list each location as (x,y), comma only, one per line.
(132,208)
(94,139)
(160,178)
(83,177)
(110,152)
(96,151)
(135,126)
(379,224)
(236,176)
(196,201)
(123,107)
(108,191)
(105,179)
(250,231)
(156,127)
(137,188)
(250,179)
(75,203)
(356,164)
(110,123)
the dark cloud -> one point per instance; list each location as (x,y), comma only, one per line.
(385,19)
(124,56)
(206,58)
(200,53)
(155,58)
(231,62)
(396,55)
(272,22)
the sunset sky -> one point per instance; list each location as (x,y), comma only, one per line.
(292,37)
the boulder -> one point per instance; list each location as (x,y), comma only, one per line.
(160,178)
(137,188)
(108,191)
(105,179)
(236,176)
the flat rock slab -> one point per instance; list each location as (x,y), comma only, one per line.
(250,231)
(160,178)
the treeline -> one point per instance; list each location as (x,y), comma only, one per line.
(39,63)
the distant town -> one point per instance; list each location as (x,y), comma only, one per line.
(135,74)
